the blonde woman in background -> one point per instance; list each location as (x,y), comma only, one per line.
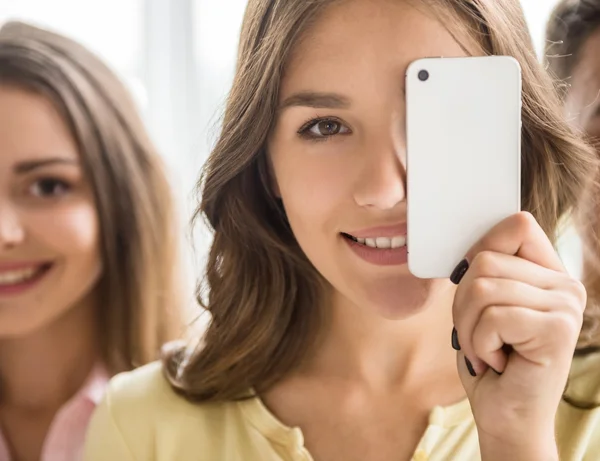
(88,265)
(315,353)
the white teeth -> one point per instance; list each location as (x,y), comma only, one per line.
(383,242)
(17,276)
(398,241)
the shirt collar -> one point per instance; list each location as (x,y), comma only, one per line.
(95,385)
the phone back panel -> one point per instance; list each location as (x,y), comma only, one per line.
(463,156)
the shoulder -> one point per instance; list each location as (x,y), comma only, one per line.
(141,415)
(578,417)
(145,389)
(144,397)
(584,380)
(125,422)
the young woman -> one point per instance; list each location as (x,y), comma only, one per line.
(573,56)
(87,242)
(315,353)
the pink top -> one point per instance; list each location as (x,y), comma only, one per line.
(66,435)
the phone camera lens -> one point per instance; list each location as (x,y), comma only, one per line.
(423,75)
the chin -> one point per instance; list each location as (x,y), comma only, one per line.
(399,299)
(20,320)
(20,330)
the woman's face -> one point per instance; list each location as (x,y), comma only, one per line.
(49,232)
(583,102)
(339,151)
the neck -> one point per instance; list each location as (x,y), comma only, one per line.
(364,347)
(47,367)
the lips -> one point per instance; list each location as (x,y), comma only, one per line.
(14,275)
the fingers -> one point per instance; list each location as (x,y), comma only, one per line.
(519,235)
(500,265)
(534,335)
(487,293)
(498,281)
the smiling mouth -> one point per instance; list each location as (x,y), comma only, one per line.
(15,277)
(382,243)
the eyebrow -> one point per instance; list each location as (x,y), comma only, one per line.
(31,165)
(316,100)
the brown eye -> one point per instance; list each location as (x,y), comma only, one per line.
(328,128)
(49,188)
(324,129)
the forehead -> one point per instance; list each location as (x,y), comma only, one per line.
(372,39)
(30,125)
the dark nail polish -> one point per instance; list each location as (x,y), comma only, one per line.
(455,343)
(459,272)
(470,367)
(497,372)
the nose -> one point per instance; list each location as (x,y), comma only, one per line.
(382,182)
(11,231)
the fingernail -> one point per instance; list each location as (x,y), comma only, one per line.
(459,272)
(455,343)
(470,367)
(497,372)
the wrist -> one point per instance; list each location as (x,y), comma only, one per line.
(530,449)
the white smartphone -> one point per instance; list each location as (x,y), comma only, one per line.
(463,134)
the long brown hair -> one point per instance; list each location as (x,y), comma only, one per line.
(262,292)
(139,299)
(570,26)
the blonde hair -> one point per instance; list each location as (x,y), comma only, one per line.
(138,290)
(262,291)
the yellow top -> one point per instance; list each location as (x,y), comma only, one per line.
(142,419)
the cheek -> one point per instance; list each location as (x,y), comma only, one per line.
(314,189)
(592,128)
(574,104)
(70,231)
(69,235)
(383,294)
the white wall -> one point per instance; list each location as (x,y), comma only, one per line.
(537,13)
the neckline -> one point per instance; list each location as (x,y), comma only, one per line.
(271,427)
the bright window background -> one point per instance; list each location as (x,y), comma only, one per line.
(178,57)
(537,13)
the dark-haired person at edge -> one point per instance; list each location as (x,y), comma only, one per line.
(573,58)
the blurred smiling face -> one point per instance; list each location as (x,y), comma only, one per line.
(338,148)
(49,230)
